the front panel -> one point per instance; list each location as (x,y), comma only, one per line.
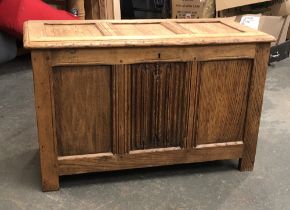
(82,105)
(122,108)
(159,109)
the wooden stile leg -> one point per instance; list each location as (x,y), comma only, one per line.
(121,116)
(246,163)
(43,106)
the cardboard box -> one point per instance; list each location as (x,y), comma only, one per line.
(280,7)
(257,8)
(277,26)
(227,4)
(187,8)
(244,10)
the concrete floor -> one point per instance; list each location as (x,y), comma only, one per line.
(215,186)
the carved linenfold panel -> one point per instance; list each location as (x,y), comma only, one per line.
(159,93)
(222,100)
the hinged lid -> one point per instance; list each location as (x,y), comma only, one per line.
(120,33)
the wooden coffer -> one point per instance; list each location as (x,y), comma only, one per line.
(114,95)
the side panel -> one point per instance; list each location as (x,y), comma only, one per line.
(41,61)
(255,103)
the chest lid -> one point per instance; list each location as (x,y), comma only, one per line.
(122,33)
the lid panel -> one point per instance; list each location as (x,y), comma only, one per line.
(213,28)
(127,33)
(142,29)
(69,30)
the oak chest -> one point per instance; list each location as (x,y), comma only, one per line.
(114,95)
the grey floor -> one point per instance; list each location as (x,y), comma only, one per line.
(215,185)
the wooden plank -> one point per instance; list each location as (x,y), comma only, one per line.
(106,29)
(82,107)
(222,100)
(117,9)
(219,144)
(254,110)
(204,20)
(176,28)
(84,164)
(212,28)
(109,9)
(115,56)
(168,149)
(121,108)
(36,31)
(142,30)
(43,105)
(139,42)
(190,120)
(90,9)
(142,41)
(153,38)
(102,9)
(72,30)
(93,9)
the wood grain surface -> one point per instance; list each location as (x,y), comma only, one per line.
(159,111)
(44,110)
(131,55)
(121,108)
(222,100)
(170,156)
(82,103)
(102,9)
(255,102)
